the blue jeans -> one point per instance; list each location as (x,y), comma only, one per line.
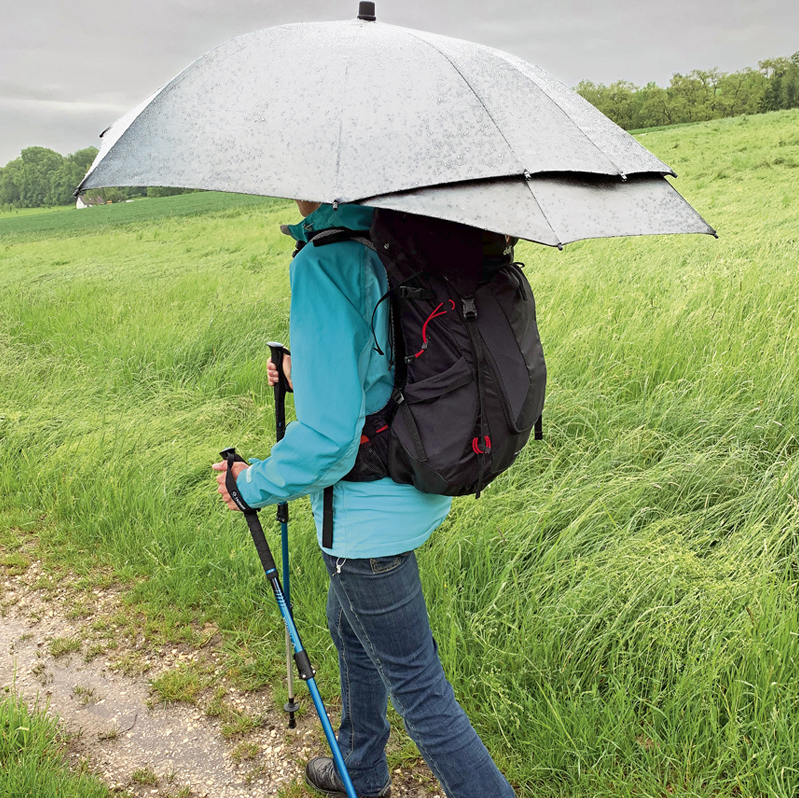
(378,620)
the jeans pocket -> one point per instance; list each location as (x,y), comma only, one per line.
(382,565)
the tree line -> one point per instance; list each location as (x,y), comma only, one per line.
(41,177)
(700,95)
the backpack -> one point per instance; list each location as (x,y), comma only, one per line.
(469,371)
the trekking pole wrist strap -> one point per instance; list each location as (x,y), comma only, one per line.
(250,514)
(230,456)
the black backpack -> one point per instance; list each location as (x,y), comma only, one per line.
(469,371)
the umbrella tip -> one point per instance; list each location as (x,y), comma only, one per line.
(366,11)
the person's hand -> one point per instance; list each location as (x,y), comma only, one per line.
(271,371)
(237,469)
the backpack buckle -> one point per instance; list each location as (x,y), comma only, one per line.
(469,308)
(415,293)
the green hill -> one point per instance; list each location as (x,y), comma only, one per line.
(618,613)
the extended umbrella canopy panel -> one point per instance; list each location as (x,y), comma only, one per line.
(359,110)
(556,209)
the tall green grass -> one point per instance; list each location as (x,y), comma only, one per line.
(618,613)
(32,757)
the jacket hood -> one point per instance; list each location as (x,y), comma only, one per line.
(352,217)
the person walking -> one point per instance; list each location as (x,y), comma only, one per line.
(376,611)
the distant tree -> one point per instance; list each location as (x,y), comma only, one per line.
(699,95)
(84,158)
(9,183)
(621,101)
(132,192)
(782,83)
(654,107)
(66,178)
(43,177)
(792,83)
(774,70)
(772,67)
(616,101)
(591,91)
(741,92)
(166,191)
(694,97)
(34,177)
(114,194)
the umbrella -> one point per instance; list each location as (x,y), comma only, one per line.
(363,111)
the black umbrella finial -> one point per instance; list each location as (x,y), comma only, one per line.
(366,11)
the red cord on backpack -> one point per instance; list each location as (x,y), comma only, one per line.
(486,445)
(365,439)
(434,315)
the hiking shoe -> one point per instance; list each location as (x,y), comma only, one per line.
(321,775)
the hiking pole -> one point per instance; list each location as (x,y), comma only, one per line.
(306,672)
(281,387)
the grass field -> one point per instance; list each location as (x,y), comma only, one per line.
(51,222)
(11,213)
(618,613)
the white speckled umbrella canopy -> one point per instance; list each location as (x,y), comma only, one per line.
(346,111)
(556,209)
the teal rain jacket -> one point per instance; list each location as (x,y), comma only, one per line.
(339,378)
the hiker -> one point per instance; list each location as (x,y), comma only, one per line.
(376,611)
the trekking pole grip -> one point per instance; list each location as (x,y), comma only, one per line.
(281,387)
(231,456)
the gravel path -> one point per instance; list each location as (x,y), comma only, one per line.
(119,729)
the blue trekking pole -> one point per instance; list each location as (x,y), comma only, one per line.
(306,672)
(281,387)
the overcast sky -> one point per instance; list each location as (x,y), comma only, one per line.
(69,69)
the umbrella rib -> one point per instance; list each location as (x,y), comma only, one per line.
(471,89)
(338,142)
(560,108)
(336,193)
(529,187)
(539,87)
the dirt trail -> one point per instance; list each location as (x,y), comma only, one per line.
(119,729)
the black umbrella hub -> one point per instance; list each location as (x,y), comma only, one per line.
(366,11)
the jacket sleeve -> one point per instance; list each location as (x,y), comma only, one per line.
(330,341)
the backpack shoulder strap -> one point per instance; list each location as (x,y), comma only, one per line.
(335,234)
